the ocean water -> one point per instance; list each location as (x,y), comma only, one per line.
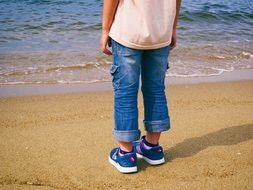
(57,41)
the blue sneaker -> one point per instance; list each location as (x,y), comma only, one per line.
(126,163)
(153,156)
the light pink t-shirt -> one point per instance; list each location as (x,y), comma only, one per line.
(144,24)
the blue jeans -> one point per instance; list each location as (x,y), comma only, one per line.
(127,67)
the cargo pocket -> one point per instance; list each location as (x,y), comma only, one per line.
(113,72)
(113,69)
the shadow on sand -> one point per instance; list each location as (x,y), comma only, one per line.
(189,147)
(228,136)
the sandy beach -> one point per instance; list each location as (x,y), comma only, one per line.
(62,141)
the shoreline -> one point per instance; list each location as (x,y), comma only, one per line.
(47,89)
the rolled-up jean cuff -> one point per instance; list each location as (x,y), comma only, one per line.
(157,126)
(126,136)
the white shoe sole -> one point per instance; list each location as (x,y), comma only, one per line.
(122,169)
(151,162)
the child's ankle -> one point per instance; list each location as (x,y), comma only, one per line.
(122,152)
(126,146)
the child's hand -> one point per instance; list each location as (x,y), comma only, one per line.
(174,39)
(105,41)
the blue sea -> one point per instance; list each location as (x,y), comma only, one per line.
(57,41)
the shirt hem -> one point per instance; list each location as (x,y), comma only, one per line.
(137,46)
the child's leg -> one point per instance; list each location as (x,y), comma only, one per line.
(153,137)
(153,72)
(126,146)
(125,71)
(156,118)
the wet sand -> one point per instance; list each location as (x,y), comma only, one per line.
(62,141)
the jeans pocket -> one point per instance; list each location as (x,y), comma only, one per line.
(113,69)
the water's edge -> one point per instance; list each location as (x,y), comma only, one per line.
(47,89)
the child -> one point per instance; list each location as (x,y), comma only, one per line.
(141,33)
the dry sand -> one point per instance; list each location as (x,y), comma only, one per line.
(62,141)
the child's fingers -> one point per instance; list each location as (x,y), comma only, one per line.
(173,45)
(107,51)
(105,40)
